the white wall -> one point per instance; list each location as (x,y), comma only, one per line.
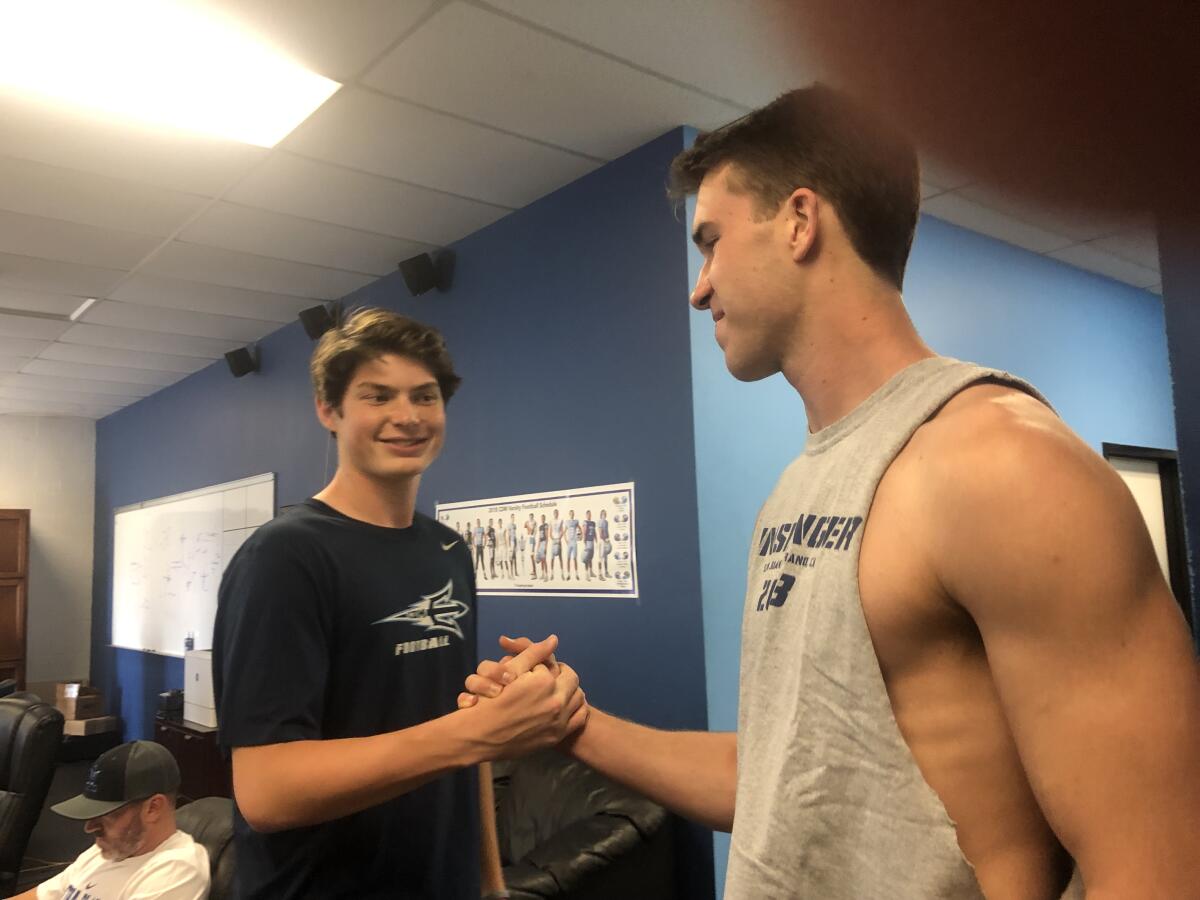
(48,466)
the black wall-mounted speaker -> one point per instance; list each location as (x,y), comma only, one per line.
(242,361)
(424,272)
(317,320)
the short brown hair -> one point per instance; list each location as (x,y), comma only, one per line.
(370,333)
(818,138)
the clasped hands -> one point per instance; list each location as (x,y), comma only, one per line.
(529,699)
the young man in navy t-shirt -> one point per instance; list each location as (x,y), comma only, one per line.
(344,629)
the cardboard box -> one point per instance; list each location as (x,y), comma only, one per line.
(79,727)
(69,690)
(86,706)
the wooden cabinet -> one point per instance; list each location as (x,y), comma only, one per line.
(204,773)
(14,574)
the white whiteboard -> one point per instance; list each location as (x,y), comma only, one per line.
(168,558)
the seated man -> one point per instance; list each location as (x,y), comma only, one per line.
(128,803)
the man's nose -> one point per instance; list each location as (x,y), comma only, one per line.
(92,826)
(702,292)
(406,413)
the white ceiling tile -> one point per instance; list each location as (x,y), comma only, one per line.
(31,407)
(177,321)
(1139,246)
(38,189)
(929,190)
(114,357)
(300,240)
(37,301)
(20,346)
(31,327)
(399,140)
(56,277)
(1076,225)
(314,190)
(958,210)
(1091,258)
(192,262)
(336,38)
(464,60)
(13,363)
(939,177)
(152,290)
(149,341)
(100,373)
(76,385)
(92,142)
(741,51)
(81,244)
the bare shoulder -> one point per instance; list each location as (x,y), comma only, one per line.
(995,441)
(1015,497)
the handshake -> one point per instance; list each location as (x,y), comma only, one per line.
(525,701)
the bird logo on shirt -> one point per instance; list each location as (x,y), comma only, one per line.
(438,611)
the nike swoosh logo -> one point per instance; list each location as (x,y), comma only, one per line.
(449,545)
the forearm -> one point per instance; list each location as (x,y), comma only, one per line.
(491,876)
(300,783)
(693,773)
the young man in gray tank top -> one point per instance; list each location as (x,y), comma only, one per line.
(962,672)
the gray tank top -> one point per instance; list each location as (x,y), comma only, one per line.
(830,802)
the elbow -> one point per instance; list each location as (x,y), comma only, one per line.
(260,816)
(259,806)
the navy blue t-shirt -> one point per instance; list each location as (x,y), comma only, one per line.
(328,627)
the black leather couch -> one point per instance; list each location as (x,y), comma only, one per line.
(565,833)
(210,822)
(30,733)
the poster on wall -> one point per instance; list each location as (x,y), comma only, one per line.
(570,543)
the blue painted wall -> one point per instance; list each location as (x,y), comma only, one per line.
(566,324)
(1095,347)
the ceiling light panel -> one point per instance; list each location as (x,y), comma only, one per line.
(177,65)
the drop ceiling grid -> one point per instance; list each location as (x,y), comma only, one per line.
(325,210)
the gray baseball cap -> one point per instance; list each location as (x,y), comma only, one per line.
(130,772)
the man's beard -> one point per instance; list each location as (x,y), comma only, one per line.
(125,844)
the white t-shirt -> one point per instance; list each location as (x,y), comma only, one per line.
(176,870)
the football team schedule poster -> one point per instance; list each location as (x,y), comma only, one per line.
(570,543)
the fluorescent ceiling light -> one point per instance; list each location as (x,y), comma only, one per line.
(160,62)
(82,308)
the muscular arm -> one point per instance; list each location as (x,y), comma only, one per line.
(693,773)
(1038,539)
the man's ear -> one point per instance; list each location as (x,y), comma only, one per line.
(156,807)
(801,216)
(326,415)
